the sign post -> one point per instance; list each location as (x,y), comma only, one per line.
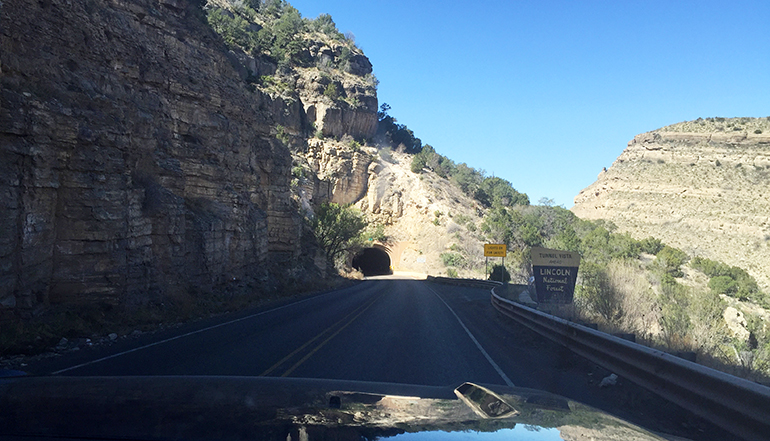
(495,250)
(555,273)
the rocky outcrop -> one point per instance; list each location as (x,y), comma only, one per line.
(134,162)
(736,323)
(702,186)
(338,119)
(335,84)
(352,111)
(339,174)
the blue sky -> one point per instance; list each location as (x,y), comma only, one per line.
(546,93)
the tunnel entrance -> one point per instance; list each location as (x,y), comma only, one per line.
(372,262)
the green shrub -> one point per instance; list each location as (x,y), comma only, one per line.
(623,246)
(376,232)
(670,260)
(332,91)
(281,134)
(451,272)
(326,25)
(335,228)
(499,273)
(650,245)
(674,319)
(298,172)
(597,295)
(461,219)
(732,280)
(452,259)
(723,285)
(234,31)
(418,163)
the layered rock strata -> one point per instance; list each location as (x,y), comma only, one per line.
(702,186)
(340,174)
(134,162)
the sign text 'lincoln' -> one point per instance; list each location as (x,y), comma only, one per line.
(555,273)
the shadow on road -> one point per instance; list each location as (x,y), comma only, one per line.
(399,275)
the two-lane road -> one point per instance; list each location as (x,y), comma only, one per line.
(399,331)
(385,330)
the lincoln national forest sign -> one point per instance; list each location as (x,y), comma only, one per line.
(555,273)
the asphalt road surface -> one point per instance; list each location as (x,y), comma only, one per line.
(383,330)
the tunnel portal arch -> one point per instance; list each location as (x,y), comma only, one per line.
(373,261)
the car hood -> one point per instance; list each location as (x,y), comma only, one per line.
(261,408)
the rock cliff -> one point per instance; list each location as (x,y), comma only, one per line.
(136,162)
(353,113)
(339,174)
(702,186)
(321,68)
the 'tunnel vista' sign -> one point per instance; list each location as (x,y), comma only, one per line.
(555,273)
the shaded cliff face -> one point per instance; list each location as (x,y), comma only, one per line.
(134,162)
(702,186)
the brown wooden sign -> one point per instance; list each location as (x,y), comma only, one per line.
(555,273)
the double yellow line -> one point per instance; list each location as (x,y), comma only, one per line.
(355,314)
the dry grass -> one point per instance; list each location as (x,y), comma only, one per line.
(637,294)
(636,297)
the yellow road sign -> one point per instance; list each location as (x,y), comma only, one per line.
(495,249)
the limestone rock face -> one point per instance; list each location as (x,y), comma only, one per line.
(134,162)
(338,93)
(702,186)
(337,120)
(353,113)
(340,175)
(736,323)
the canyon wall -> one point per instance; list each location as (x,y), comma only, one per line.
(134,161)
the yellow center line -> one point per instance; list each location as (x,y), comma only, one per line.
(284,359)
(310,354)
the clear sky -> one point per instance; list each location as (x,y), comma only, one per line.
(546,93)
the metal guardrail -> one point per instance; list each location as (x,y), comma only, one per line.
(739,406)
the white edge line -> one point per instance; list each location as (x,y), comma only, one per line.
(478,345)
(99,360)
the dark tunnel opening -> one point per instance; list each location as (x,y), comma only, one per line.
(372,262)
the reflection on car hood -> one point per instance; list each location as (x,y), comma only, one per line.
(258,408)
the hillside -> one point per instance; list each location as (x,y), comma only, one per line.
(702,186)
(426,215)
